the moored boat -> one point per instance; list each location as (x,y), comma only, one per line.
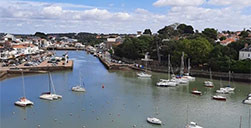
(154,120)
(219,97)
(144,75)
(193,125)
(196,92)
(49,95)
(23,102)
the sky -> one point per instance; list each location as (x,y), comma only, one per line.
(121,16)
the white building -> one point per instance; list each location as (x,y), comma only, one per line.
(245,53)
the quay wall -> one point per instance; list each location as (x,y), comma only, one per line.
(243,77)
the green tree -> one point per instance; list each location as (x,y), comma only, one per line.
(147,31)
(41,35)
(197,49)
(210,33)
(244,34)
(222,38)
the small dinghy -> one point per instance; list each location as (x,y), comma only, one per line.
(154,120)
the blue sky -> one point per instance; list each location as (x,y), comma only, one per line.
(121,16)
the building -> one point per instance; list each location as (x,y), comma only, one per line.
(245,53)
(113,41)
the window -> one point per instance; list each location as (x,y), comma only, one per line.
(248,55)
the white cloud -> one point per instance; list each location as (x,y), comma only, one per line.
(242,3)
(29,17)
(53,10)
(161,3)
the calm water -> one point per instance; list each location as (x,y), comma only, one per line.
(125,101)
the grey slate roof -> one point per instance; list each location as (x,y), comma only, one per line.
(248,48)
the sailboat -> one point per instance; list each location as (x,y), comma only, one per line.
(191,124)
(169,82)
(187,75)
(80,87)
(228,87)
(209,83)
(51,95)
(180,78)
(23,101)
(144,74)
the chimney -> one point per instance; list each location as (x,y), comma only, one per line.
(246,45)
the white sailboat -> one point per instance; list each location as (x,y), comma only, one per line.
(187,75)
(80,87)
(51,95)
(209,83)
(191,124)
(23,101)
(180,78)
(144,74)
(169,82)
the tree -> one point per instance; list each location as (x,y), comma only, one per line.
(147,31)
(244,34)
(189,29)
(197,49)
(210,33)
(41,35)
(183,28)
(222,38)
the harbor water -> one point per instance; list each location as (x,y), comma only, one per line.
(125,101)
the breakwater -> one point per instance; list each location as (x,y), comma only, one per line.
(42,68)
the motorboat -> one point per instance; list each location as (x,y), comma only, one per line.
(193,125)
(222,91)
(154,120)
(219,97)
(196,92)
(51,95)
(209,84)
(166,83)
(249,95)
(144,75)
(23,102)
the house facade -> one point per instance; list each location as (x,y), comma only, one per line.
(245,53)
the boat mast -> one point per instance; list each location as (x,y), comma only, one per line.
(23,83)
(211,79)
(188,68)
(249,118)
(52,85)
(49,78)
(169,68)
(229,77)
(187,115)
(240,121)
(182,64)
